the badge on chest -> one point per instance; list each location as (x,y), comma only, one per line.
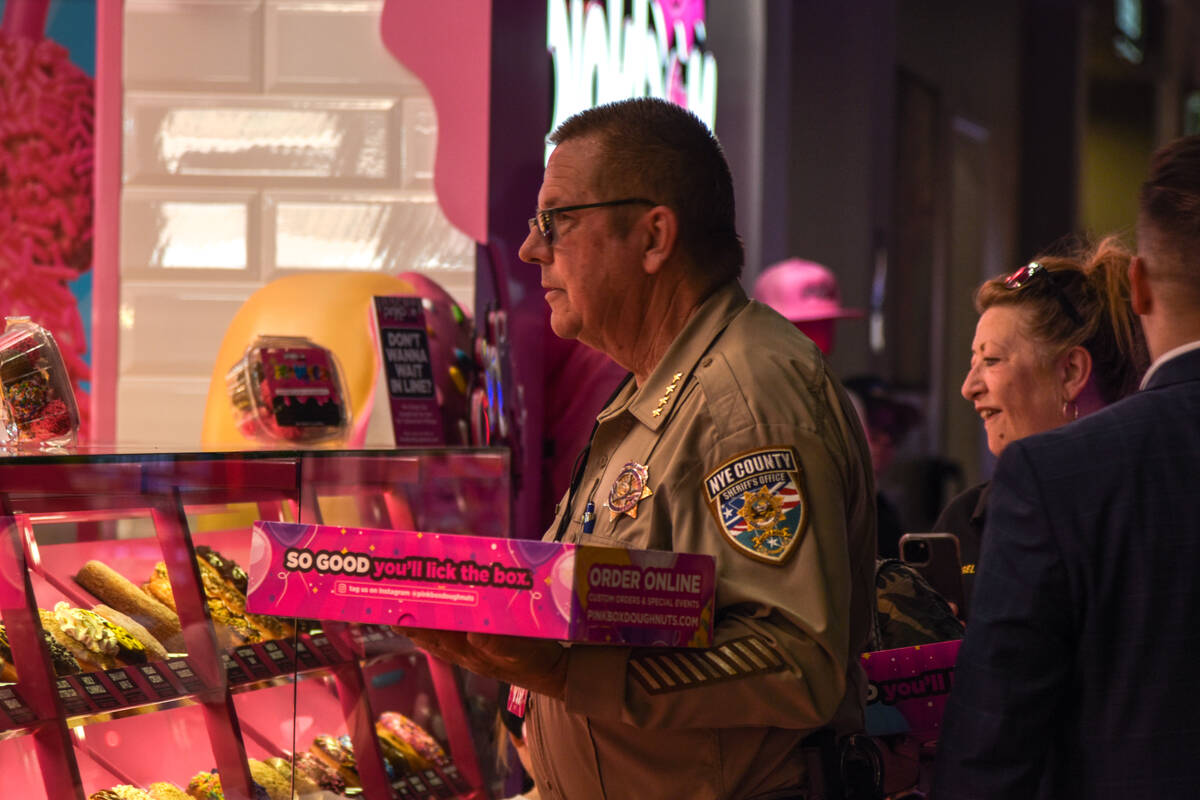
(630,488)
(758,501)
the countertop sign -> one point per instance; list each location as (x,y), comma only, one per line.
(408,370)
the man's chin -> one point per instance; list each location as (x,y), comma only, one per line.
(564,328)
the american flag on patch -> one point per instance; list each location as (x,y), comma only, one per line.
(785,490)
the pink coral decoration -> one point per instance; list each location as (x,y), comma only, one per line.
(46,162)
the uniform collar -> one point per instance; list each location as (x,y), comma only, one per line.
(665,384)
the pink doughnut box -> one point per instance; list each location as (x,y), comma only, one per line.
(518,587)
(908,688)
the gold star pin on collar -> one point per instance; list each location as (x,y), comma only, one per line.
(662,401)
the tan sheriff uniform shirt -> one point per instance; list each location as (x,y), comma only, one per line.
(754,455)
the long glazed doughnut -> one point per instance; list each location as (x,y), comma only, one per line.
(117,591)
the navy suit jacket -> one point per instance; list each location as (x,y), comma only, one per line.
(1080,672)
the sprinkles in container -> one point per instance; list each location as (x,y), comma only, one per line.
(288,390)
(37,404)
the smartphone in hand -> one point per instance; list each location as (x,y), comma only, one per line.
(936,557)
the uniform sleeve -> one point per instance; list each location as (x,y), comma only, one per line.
(1014,667)
(783,630)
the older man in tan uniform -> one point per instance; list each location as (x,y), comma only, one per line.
(732,439)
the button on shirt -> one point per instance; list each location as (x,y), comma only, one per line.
(723,722)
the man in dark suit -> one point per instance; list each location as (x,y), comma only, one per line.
(1078,674)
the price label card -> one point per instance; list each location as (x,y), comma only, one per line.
(436,785)
(305,656)
(322,645)
(14,707)
(233,670)
(279,656)
(371,640)
(454,778)
(71,693)
(99,691)
(253,662)
(157,683)
(187,677)
(130,692)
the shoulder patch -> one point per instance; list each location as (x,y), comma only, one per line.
(758,501)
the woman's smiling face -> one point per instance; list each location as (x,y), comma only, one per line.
(1012,382)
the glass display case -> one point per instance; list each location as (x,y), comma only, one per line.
(129,658)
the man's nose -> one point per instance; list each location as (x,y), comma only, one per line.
(534,249)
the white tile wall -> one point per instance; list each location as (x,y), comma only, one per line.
(221,138)
(221,52)
(180,313)
(160,411)
(303,49)
(189,229)
(359,231)
(262,138)
(420,143)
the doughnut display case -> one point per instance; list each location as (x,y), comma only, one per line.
(130,667)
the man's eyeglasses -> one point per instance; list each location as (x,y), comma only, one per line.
(544,219)
(1029,273)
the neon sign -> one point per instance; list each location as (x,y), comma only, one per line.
(601,55)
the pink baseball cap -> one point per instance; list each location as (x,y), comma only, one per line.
(802,291)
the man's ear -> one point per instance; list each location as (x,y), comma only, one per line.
(1141,297)
(661,228)
(1076,369)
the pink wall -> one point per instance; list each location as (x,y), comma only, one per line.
(448,45)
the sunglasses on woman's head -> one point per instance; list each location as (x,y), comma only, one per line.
(1029,274)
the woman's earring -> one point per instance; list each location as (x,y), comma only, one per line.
(1070,410)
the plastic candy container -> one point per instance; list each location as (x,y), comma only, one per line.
(288,389)
(38,408)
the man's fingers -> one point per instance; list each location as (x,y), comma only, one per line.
(506,648)
(526,662)
(446,645)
